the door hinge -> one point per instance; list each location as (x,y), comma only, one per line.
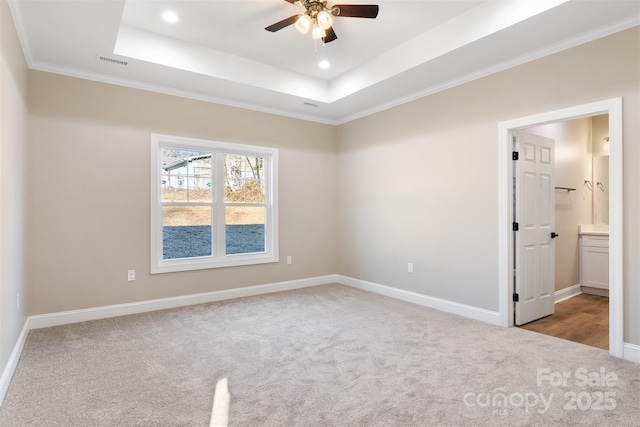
(515,155)
(516,226)
(516,297)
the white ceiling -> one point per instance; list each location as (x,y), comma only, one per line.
(219,50)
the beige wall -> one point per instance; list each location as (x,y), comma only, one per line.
(88,192)
(573,166)
(419,182)
(600,132)
(13,137)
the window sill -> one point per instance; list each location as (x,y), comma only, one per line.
(188,264)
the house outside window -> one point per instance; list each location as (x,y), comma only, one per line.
(213,204)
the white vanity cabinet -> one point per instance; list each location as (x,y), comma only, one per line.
(594,260)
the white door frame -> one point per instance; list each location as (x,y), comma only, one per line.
(613,107)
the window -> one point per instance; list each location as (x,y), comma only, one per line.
(213,204)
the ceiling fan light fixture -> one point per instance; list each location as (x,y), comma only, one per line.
(324,20)
(318,17)
(304,23)
(318,32)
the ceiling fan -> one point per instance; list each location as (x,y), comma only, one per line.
(318,17)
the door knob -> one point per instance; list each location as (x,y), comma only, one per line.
(554,235)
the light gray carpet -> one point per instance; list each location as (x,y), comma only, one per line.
(323,356)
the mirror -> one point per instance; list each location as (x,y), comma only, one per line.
(601,190)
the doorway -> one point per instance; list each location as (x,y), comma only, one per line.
(572,301)
(613,108)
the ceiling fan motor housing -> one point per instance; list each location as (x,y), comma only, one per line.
(314,7)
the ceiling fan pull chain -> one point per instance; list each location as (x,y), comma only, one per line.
(315,43)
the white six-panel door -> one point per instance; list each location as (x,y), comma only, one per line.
(535,215)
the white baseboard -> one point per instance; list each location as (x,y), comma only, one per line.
(566,293)
(488,316)
(83,315)
(12,363)
(75,316)
(631,352)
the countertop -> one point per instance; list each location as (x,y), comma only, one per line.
(593,229)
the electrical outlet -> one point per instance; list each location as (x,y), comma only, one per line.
(131,275)
(410,267)
(18,302)
(289,260)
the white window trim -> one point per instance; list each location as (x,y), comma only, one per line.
(219,258)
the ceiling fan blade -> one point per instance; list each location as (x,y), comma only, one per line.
(284,23)
(331,35)
(356,10)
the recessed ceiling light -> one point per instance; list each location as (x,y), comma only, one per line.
(170,16)
(324,64)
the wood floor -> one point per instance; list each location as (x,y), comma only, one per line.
(583,318)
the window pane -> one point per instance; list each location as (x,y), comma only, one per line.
(186,231)
(244,177)
(200,188)
(254,167)
(173,188)
(186,175)
(233,190)
(254,191)
(244,229)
